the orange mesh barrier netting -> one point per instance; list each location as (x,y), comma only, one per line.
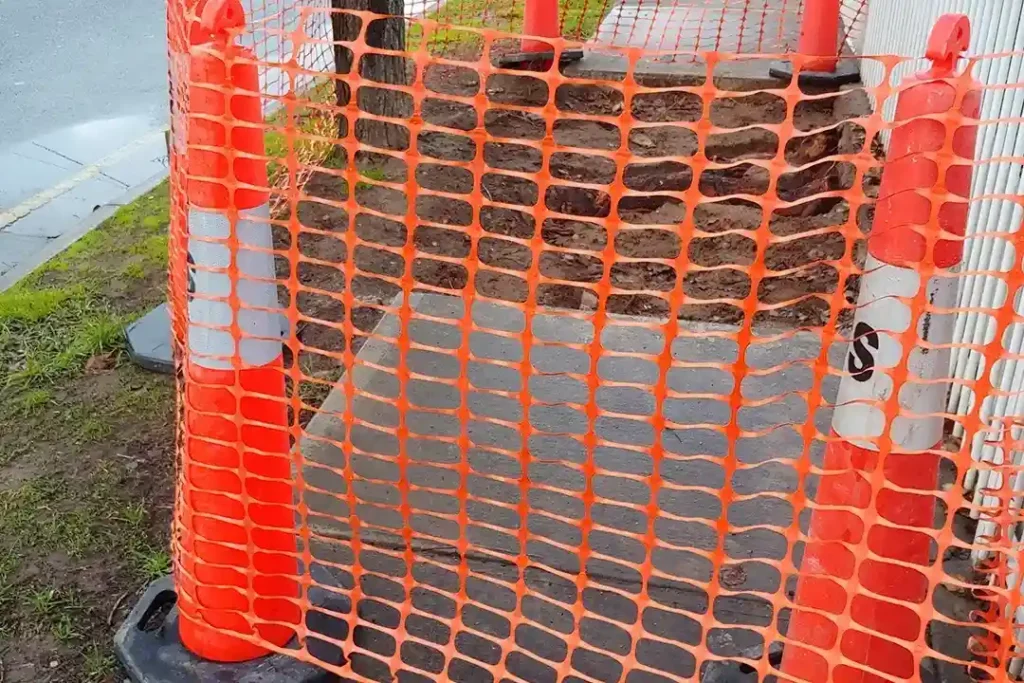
(631,368)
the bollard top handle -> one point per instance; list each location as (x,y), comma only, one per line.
(950,38)
(219,17)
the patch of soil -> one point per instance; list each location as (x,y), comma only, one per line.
(87,479)
(507,198)
(134,467)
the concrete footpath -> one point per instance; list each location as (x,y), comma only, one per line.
(56,188)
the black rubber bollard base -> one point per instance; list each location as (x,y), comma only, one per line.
(148,646)
(525,60)
(149,341)
(847,72)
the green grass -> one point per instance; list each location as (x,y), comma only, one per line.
(579,19)
(8,590)
(335,160)
(44,602)
(32,306)
(138,396)
(153,564)
(64,629)
(32,400)
(51,324)
(133,271)
(36,514)
(30,515)
(373,174)
(42,353)
(98,664)
(85,445)
(313,126)
(119,236)
(57,610)
(55,320)
(152,249)
(92,429)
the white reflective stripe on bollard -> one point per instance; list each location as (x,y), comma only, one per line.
(210,340)
(875,351)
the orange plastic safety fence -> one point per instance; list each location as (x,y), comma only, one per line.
(629,369)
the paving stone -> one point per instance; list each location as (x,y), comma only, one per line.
(17,249)
(696,25)
(65,211)
(27,169)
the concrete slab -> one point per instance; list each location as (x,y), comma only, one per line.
(675,37)
(91,141)
(16,250)
(33,251)
(26,169)
(693,470)
(52,209)
(64,211)
(147,161)
(765,27)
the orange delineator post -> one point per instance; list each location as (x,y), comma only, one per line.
(898,247)
(237,563)
(819,35)
(540,18)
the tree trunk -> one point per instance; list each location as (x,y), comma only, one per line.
(385,33)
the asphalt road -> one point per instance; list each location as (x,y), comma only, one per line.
(68,63)
(83,109)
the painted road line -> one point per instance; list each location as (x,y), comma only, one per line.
(53,247)
(9,216)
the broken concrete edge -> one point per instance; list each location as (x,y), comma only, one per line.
(93,220)
(517,59)
(741,74)
(148,646)
(430,548)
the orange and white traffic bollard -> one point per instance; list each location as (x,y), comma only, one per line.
(820,45)
(237,569)
(898,247)
(541,19)
(819,34)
